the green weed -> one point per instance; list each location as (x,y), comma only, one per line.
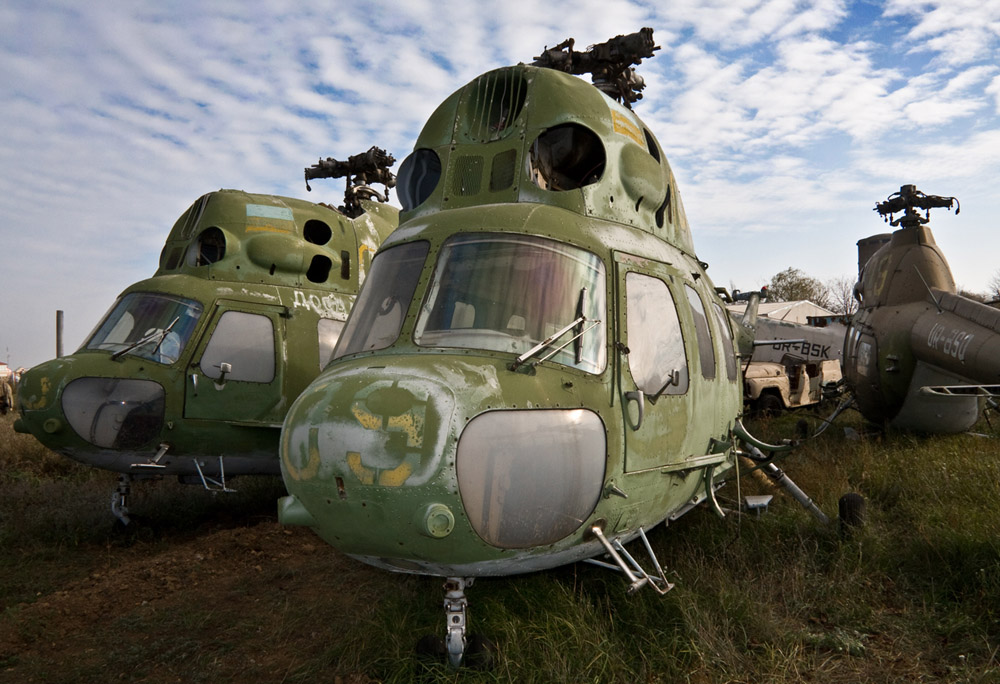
(913,595)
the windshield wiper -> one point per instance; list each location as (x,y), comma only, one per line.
(162,334)
(579,321)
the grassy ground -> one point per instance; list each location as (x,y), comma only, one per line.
(220,592)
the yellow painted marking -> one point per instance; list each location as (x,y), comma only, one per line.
(369,421)
(364,474)
(43,400)
(361,256)
(267,229)
(880,288)
(411,425)
(397,476)
(624,126)
(387,478)
(312,465)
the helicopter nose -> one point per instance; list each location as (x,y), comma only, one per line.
(367,430)
(113,413)
(422,458)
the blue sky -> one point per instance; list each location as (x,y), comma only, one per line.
(784,120)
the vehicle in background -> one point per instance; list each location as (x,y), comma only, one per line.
(918,355)
(793,364)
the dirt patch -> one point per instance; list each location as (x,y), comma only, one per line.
(228,604)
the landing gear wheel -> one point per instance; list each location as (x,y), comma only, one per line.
(769,405)
(480,653)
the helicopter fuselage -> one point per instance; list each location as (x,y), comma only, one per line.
(192,370)
(913,332)
(536,355)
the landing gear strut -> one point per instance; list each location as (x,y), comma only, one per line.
(119,499)
(471,650)
(455,605)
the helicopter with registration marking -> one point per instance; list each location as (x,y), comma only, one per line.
(191,371)
(918,355)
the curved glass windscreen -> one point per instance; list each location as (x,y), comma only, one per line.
(384,299)
(114,413)
(529,478)
(151,326)
(516,293)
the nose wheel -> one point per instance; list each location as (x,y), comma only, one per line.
(472,650)
(119,499)
(455,608)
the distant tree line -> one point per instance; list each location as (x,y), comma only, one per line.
(837,294)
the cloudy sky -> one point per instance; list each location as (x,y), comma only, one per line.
(784,120)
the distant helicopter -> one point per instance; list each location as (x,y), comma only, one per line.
(538,368)
(191,371)
(918,355)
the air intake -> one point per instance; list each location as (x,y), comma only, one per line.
(495,102)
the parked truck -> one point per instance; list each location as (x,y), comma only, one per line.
(793,365)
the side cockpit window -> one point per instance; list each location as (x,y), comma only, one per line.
(726,333)
(328,331)
(705,350)
(566,157)
(245,342)
(381,307)
(656,355)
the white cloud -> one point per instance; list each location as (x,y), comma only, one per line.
(973,162)
(117,116)
(960,31)
(994,89)
(733,24)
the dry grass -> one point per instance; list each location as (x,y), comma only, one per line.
(224,594)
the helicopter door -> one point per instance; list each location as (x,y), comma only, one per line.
(236,373)
(654,369)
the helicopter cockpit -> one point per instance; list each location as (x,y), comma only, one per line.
(508,292)
(494,292)
(153,326)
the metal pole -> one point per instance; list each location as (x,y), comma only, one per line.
(59,333)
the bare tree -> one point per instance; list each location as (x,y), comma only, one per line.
(994,287)
(841,291)
(974,296)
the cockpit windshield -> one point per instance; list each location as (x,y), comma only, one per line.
(151,326)
(512,293)
(379,312)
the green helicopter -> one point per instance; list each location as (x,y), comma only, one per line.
(191,371)
(538,369)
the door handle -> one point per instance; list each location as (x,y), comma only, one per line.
(640,397)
